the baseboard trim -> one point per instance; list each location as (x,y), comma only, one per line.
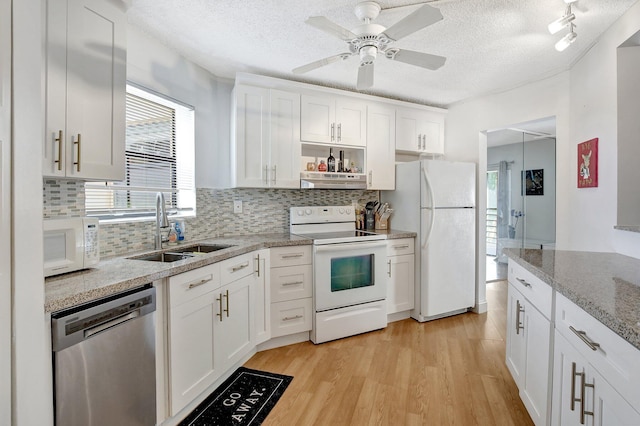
(480,308)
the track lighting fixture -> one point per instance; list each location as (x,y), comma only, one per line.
(562,22)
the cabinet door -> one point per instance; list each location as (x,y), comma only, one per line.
(317,119)
(261,285)
(534,389)
(250,168)
(381,147)
(192,361)
(432,131)
(609,407)
(285,152)
(96,79)
(407,130)
(236,327)
(419,131)
(516,343)
(351,122)
(400,283)
(568,365)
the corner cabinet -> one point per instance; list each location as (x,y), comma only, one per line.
(85,89)
(419,131)
(529,308)
(381,147)
(333,120)
(266,138)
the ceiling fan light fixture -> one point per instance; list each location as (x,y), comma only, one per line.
(368,54)
(560,23)
(566,41)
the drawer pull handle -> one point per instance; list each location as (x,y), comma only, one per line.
(239,267)
(219,300)
(257,259)
(77,163)
(583,411)
(404,246)
(523,282)
(199,283)
(227,296)
(389,269)
(292,283)
(290,256)
(292,318)
(519,310)
(59,140)
(583,336)
(573,386)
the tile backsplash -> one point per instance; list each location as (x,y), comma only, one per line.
(263,211)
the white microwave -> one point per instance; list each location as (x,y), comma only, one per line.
(70,244)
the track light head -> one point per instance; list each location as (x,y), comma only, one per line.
(560,23)
(566,41)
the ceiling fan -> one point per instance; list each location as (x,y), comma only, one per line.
(368,40)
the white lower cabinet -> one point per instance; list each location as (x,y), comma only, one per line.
(262,280)
(211,323)
(291,283)
(595,372)
(529,341)
(400,275)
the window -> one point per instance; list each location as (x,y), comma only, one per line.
(159,157)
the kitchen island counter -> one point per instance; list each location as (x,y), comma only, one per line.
(605,285)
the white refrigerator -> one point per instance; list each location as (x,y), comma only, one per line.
(436,199)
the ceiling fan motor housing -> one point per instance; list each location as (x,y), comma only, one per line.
(368,54)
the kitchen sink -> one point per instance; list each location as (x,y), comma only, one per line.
(181,253)
(164,257)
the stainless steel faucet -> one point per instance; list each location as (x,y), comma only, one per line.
(162,222)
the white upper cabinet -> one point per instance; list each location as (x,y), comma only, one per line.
(381,146)
(333,120)
(85,89)
(419,131)
(266,149)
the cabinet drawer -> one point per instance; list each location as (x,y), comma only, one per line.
(291,282)
(400,247)
(291,255)
(292,316)
(193,284)
(237,267)
(615,358)
(539,293)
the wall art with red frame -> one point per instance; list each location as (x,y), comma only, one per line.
(588,164)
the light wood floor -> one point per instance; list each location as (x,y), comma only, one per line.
(445,372)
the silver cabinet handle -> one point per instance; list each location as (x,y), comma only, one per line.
(583,411)
(227,310)
(333,127)
(199,283)
(573,386)
(291,256)
(257,259)
(583,336)
(370,177)
(239,267)
(275,174)
(292,318)
(419,142)
(424,142)
(78,142)
(519,310)
(404,246)
(389,270)
(59,140)
(339,132)
(266,174)
(292,283)
(523,282)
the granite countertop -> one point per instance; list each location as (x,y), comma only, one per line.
(118,274)
(605,285)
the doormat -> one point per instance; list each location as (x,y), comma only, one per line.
(245,398)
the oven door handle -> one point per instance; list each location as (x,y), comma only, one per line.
(350,246)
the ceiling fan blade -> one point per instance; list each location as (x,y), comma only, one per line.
(420,59)
(320,63)
(365,76)
(413,22)
(322,23)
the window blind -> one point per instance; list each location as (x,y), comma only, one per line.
(158,158)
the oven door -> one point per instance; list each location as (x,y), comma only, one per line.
(347,274)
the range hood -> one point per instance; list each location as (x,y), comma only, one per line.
(329,180)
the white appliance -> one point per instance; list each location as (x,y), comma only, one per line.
(70,244)
(436,199)
(349,283)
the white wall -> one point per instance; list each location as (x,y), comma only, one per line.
(155,66)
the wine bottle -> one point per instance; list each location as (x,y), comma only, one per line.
(331,162)
(341,162)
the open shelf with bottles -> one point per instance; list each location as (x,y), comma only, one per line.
(312,154)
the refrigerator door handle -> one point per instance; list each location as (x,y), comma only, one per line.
(433,210)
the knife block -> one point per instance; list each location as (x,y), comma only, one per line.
(381,223)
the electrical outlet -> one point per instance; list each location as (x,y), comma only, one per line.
(237,206)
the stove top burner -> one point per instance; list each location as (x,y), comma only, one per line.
(342,236)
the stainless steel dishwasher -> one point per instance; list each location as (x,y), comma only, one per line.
(104,361)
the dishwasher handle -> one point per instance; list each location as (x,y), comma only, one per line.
(109,324)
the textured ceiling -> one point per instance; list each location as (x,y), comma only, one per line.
(490,45)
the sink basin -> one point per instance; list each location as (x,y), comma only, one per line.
(164,257)
(204,248)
